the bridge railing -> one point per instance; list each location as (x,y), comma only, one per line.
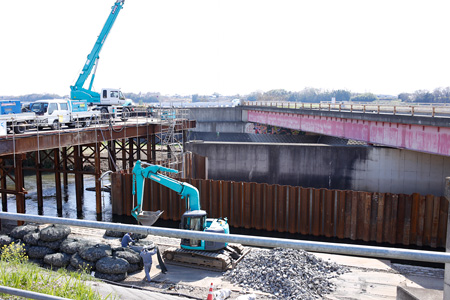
(408,110)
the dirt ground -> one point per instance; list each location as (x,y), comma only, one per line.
(179,280)
(368,278)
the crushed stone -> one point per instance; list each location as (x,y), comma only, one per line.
(286,273)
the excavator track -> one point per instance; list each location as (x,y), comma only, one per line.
(218,261)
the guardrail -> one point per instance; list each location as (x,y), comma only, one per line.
(15,124)
(349,249)
(28,294)
(408,110)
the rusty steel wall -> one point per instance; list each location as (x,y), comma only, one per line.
(371,217)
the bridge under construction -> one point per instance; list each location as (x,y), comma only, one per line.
(156,138)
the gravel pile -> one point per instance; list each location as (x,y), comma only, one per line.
(286,273)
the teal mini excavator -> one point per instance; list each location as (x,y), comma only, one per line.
(201,253)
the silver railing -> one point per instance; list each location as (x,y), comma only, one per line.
(372,108)
(347,249)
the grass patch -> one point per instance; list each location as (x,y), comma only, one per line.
(17,272)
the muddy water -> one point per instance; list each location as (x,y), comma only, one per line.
(69,207)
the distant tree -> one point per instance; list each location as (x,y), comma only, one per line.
(423,96)
(275,95)
(405,97)
(341,95)
(367,97)
(252,97)
(441,95)
(294,97)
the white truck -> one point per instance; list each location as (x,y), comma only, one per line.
(55,113)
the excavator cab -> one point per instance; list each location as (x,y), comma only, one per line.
(196,220)
(193,220)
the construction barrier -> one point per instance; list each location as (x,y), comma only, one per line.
(371,217)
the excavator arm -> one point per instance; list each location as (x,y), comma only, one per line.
(185,190)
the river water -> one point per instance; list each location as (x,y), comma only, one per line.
(69,206)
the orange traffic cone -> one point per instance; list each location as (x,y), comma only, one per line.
(210,294)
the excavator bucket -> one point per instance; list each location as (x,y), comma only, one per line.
(148,218)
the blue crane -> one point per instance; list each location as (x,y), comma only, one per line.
(108,97)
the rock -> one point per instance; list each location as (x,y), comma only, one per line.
(36,261)
(57,260)
(70,246)
(32,238)
(285,273)
(112,265)
(134,267)
(111,277)
(96,252)
(54,232)
(120,234)
(78,262)
(5,240)
(39,252)
(113,233)
(130,255)
(52,245)
(20,231)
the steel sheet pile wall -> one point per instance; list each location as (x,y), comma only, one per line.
(375,217)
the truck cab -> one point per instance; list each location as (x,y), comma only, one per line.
(112,97)
(55,113)
(51,113)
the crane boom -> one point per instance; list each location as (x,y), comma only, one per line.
(77,90)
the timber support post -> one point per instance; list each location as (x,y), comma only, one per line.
(78,177)
(56,159)
(20,191)
(98,192)
(39,183)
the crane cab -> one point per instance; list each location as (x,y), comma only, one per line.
(197,220)
(112,97)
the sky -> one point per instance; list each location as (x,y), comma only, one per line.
(228,47)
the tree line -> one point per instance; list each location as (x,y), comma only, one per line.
(439,95)
(309,94)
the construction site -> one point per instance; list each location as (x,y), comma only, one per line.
(155,180)
(239,200)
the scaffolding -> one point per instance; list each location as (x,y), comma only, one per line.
(171,139)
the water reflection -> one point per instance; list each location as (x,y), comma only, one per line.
(69,203)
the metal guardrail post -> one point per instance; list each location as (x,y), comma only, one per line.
(447,265)
(434,111)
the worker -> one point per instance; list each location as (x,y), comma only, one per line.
(127,239)
(146,255)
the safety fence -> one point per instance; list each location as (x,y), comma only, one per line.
(371,217)
(441,110)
